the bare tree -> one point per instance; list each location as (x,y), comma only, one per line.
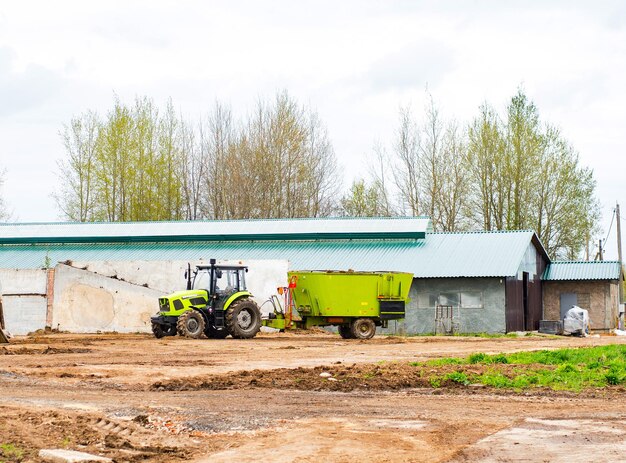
(487,169)
(76,197)
(192,172)
(407,151)
(454,182)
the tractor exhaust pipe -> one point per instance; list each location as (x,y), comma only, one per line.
(188,276)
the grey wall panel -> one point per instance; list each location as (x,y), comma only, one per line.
(24,314)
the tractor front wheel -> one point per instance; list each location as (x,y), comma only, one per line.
(157,330)
(363,328)
(160,330)
(191,324)
(243,319)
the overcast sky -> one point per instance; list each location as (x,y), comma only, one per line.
(355,62)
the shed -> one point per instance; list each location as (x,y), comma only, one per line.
(485,282)
(593,286)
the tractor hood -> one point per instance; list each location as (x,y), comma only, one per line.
(179,301)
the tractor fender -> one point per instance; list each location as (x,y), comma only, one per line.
(236,296)
(202,312)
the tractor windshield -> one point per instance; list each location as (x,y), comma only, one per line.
(202,279)
(230,280)
(226,280)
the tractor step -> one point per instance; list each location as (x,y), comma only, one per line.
(218,319)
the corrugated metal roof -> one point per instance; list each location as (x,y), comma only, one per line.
(486,254)
(473,254)
(582,270)
(216,230)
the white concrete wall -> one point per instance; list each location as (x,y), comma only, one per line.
(263,276)
(24,299)
(122,295)
(88,299)
(85,302)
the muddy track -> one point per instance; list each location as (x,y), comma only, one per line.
(135,398)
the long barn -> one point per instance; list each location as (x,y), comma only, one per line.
(106,276)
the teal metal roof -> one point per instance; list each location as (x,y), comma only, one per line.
(473,254)
(485,254)
(216,230)
(581,270)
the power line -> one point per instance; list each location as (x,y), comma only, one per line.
(610,226)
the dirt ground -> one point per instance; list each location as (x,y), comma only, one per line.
(135,398)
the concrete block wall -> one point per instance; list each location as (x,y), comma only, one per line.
(603,311)
(489,319)
(24,299)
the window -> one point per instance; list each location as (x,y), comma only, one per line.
(456,299)
(452,299)
(472,299)
(426,300)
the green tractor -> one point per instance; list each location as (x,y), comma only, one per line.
(216,304)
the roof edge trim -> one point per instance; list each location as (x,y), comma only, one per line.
(403,235)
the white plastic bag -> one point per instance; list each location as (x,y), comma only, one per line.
(576,321)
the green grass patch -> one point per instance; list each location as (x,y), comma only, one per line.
(458,377)
(563,369)
(11,452)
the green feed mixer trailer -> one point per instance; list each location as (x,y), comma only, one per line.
(216,304)
(355,302)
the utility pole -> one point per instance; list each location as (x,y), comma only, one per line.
(599,254)
(619,251)
(619,233)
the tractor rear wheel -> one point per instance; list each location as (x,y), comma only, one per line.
(243,319)
(215,333)
(363,328)
(345,332)
(191,324)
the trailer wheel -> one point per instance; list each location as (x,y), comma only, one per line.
(363,328)
(191,324)
(215,333)
(243,319)
(345,331)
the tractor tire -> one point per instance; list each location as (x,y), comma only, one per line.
(345,332)
(243,319)
(363,328)
(158,331)
(215,333)
(191,324)
(170,330)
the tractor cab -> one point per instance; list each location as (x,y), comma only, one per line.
(218,280)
